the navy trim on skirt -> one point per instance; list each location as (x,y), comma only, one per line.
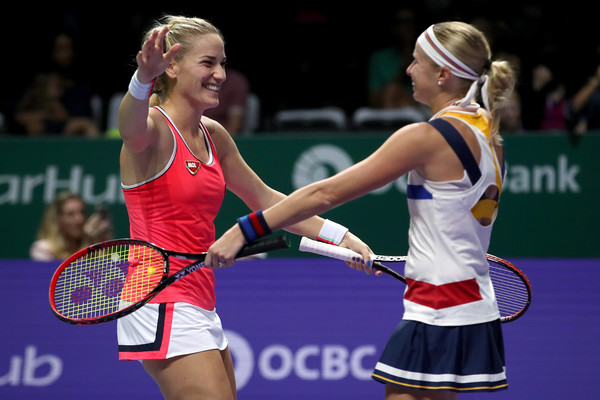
(458,358)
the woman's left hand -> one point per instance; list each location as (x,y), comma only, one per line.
(352,242)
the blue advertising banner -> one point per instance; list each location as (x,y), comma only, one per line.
(299,329)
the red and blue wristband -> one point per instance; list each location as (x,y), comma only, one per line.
(253,226)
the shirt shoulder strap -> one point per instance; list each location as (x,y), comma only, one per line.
(460,147)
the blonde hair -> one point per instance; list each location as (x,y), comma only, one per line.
(470,46)
(50,226)
(181,30)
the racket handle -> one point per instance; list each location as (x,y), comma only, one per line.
(328,250)
(261,246)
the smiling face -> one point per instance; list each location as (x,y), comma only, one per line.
(201,72)
(424,75)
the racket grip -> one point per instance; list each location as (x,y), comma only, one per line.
(261,246)
(328,250)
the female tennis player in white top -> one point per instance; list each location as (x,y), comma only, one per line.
(449,340)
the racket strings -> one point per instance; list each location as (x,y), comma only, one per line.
(512,294)
(106,280)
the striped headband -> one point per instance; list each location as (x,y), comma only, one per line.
(442,57)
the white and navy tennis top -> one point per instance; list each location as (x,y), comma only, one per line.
(450,228)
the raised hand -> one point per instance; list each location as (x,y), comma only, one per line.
(151,59)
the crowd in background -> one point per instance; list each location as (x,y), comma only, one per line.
(302,56)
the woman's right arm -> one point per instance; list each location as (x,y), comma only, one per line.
(134,125)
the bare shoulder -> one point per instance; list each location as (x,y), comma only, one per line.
(417,128)
(159,132)
(156,120)
(410,147)
(219,135)
(141,162)
(420,137)
(216,131)
(152,144)
(212,125)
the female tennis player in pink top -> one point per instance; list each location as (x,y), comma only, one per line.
(449,340)
(175,168)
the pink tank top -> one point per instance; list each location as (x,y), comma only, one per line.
(175,210)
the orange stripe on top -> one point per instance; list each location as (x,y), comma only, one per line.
(478,120)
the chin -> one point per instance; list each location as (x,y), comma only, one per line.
(418,98)
(421,101)
(212,103)
(208,104)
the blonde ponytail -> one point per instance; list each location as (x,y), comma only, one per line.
(501,83)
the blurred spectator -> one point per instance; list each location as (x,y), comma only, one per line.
(57,102)
(233,96)
(544,101)
(66,228)
(304,82)
(586,104)
(388,84)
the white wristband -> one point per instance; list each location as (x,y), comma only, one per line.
(332,233)
(139,90)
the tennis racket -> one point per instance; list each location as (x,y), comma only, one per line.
(111,279)
(512,288)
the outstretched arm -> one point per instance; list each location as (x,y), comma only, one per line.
(405,150)
(256,194)
(134,125)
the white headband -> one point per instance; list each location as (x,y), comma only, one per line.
(442,57)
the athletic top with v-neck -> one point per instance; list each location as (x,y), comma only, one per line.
(176,210)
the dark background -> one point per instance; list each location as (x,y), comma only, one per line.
(301,54)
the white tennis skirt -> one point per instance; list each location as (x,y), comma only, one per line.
(165,330)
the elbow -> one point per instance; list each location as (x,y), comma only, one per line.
(323,198)
(135,137)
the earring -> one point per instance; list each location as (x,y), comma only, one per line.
(439,83)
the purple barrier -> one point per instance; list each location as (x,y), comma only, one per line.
(298,329)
